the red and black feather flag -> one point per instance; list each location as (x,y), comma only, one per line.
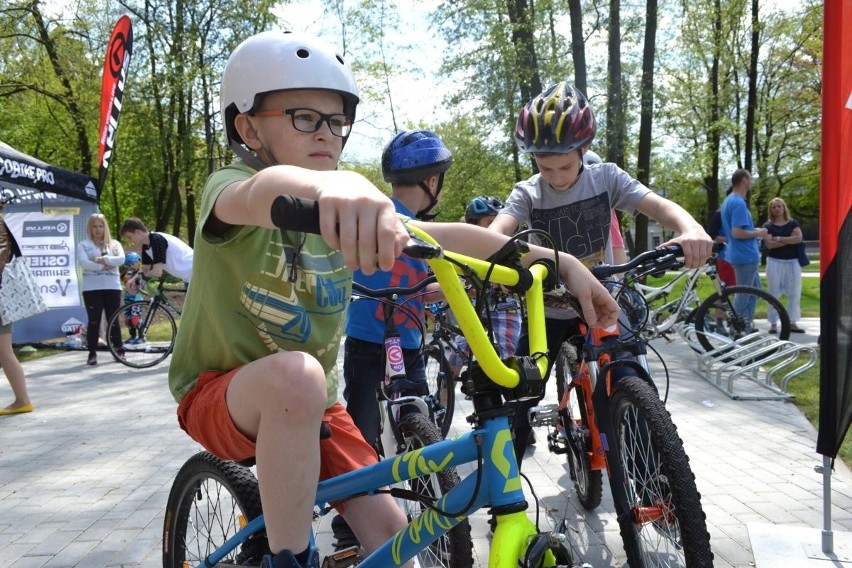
(113,83)
(836,229)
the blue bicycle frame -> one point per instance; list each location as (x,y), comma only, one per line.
(495,483)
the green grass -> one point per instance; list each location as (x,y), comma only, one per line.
(805,390)
(809,301)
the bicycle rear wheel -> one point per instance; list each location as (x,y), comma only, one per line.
(575,430)
(669,525)
(454,549)
(737,324)
(209,502)
(147,332)
(439,376)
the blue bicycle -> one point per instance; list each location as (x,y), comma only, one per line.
(213,516)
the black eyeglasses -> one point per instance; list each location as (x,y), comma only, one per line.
(309,120)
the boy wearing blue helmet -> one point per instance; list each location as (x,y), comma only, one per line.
(414,162)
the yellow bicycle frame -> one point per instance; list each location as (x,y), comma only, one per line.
(514,531)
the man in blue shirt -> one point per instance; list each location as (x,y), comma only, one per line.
(742,251)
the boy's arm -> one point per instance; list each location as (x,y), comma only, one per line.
(355,216)
(599,308)
(504,224)
(696,243)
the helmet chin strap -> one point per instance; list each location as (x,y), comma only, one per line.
(247,156)
(424,214)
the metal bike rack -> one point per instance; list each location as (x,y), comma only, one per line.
(762,360)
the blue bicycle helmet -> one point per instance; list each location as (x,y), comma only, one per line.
(482,206)
(411,157)
(132,257)
(414,155)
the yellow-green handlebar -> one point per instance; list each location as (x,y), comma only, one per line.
(469,321)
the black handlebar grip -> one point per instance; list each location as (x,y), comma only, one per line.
(292,213)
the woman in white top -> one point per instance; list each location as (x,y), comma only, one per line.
(100,256)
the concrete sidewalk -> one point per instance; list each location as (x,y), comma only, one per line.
(84,479)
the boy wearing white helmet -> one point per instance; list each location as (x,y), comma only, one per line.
(253,368)
(573,202)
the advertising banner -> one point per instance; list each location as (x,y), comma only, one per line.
(47,242)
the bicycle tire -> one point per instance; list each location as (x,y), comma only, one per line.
(454,549)
(442,386)
(158,334)
(210,500)
(669,526)
(736,327)
(588,483)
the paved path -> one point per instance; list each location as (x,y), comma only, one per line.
(84,479)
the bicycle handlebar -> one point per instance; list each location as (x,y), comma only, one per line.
(293,213)
(655,260)
(388,292)
(657,256)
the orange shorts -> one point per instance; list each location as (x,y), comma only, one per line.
(203,414)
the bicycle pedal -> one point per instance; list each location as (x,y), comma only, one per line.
(556,443)
(544,415)
(343,558)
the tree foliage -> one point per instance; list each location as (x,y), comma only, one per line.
(708,114)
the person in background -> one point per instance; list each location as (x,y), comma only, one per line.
(11,366)
(723,267)
(504,310)
(573,203)
(100,256)
(160,251)
(783,271)
(616,239)
(742,249)
(132,293)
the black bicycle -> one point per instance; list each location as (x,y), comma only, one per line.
(147,327)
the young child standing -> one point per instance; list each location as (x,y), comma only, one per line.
(253,368)
(572,202)
(132,293)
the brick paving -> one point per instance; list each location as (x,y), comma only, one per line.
(84,479)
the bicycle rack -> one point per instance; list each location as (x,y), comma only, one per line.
(762,360)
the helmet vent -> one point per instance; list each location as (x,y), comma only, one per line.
(303,53)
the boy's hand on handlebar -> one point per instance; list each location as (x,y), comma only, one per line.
(599,307)
(697,246)
(361,222)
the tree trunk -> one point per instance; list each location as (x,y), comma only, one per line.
(752,85)
(615,102)
(578,45)
(646,119)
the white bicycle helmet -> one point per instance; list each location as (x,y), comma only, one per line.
(279,61)
(591,158)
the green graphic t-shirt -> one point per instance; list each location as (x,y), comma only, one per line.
(256,291)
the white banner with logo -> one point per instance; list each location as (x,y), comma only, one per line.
(47,242)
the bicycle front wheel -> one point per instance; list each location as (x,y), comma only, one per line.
(669,525)
(575,433)
(147,332)
(454,549)
(736,323)
(439,376)
(210,501)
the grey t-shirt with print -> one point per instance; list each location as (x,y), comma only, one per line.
(578,218)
